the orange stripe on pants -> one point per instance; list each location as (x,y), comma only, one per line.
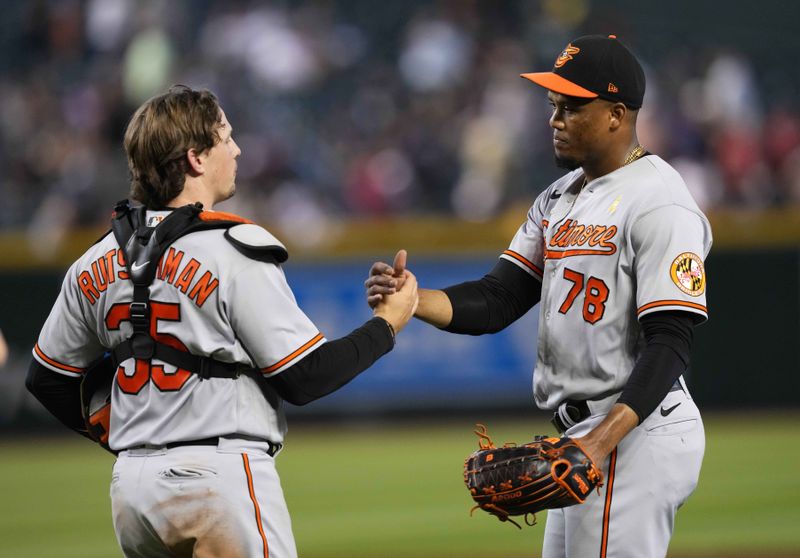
(607,509)
(255,503)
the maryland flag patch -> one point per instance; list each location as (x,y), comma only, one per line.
(688,274)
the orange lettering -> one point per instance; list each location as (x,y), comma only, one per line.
(574,233)
(99,272)
(571,233)
(204,287)
(586,234)
(110,266)
(582,486)
(594,240)
(561,233)
(123,273)
(605,239)
(187,275)
(169,265)
(87,287)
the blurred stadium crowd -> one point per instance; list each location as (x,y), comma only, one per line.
(358,108)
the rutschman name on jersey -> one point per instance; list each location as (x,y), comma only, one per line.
(207,298)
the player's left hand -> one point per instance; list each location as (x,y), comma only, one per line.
(385,279)
(593,448)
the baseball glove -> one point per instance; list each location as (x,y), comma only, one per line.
(546,473)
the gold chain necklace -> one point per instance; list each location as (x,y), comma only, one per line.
(635,153)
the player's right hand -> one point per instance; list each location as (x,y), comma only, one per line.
(385,279)
(398,308)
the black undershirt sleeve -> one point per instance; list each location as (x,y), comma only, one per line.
(323,371)
(668,336)
(334,364)
(58,393)
(492,303)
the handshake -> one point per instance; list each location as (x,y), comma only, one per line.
(392,292)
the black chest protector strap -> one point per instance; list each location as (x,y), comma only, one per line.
(143,247)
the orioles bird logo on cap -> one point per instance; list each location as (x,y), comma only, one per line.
(566,55)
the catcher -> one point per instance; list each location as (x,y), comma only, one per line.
(199,340)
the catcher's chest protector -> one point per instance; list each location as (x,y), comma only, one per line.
(142,247)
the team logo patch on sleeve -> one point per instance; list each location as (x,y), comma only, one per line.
(688,274)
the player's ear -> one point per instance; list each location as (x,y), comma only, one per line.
(196,162)
(617,113)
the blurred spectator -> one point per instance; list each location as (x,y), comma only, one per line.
(357,108)
(3,350)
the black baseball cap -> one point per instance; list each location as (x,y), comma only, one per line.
(595,66)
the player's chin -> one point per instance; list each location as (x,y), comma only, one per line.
(566,162)
(231,191)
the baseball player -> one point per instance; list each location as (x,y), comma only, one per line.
(613,251)
(196,440)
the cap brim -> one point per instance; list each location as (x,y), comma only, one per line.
(556,83)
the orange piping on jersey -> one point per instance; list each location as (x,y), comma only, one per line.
(318,337)
(607,509)
(55,363)
(255,503)
(558,254)
(660,303)
(523,261)
(222,216)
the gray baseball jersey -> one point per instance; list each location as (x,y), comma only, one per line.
(622,246)
(207,298)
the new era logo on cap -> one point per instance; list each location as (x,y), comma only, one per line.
(595,66)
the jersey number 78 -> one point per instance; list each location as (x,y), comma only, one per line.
(594,298)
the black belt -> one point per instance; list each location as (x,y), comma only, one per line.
(271,450)
(578,411)
(202,442)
